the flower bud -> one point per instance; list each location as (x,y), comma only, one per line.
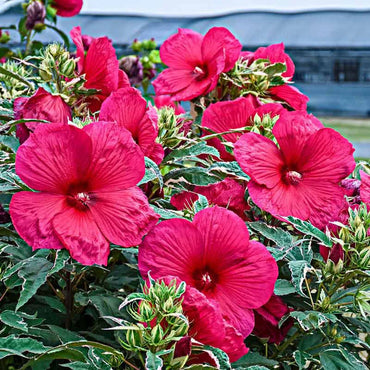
(364,258)
(360,233)
(132,66)
(67,68)
(136,45)
(36,14)
(45,74)
(133,338)
(4,37)
(157,334)
(146,311)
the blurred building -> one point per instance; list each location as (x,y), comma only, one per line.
(329,43)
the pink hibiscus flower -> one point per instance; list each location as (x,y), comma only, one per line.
(213,254)
(128,108)
(100,67)
(302,178)
(276,54)
(41,105)
(267,320)
(87,194)
(227,193)
(365,188)
(67,8)
(195,62)
(235,114)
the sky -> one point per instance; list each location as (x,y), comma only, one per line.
(193,8)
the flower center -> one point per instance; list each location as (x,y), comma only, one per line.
(79,199)
(205,279)
(199,73)
(83,198)
(293,177)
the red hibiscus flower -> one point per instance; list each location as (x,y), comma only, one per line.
(235,114)
(41,105)
(302,178)
(100,67)
(209,327)
(227,193)
(161,101)
(195,62)
(365,188)
(87,194)
(214,255)
(128,108)
(67,8)
(267,320)
(276,54)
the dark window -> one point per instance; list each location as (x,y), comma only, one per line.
(346,70)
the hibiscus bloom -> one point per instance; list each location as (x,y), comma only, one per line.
(365,188)
(100,67)
(276,54)
(213,254)
(41,105)
(224,116)
(302,178)
(87,194)
(128,108)
(227,193)
(267,320)
(195,62)
(67,8)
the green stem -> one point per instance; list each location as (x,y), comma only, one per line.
(286,344)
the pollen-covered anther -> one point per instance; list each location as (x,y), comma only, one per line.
(293,177)
(199,72)
(82,197)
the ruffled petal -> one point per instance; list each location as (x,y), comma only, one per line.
(327,156)
(54,157)
(76,37)
(32,215)
(81,236)
(67,8)
(290,95)
(291,131)
(182,50)
(174,247)
(259,158)
(171,81)
(117,162)
(219,42)
(365,188)
(123,217)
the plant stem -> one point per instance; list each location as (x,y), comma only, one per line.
(285,345)
(68,300)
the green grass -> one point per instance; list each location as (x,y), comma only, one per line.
(353,129)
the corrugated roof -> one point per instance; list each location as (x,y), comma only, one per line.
(307,29)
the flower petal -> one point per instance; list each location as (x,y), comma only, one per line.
(259,158)
(172,247)
(219,42)
(365,188)
(117,162)
(123,217)
(182,50)
(291,95)
(54,157)
(32,215)
(81,236)
(291,131)
(327,156)
(76,37)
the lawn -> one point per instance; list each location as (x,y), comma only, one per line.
(354,129)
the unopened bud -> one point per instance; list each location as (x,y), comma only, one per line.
(157,334)
(133,338)
(4,37)
(132,66)
(45,74)
(36,14)
(360,233)
(67,68)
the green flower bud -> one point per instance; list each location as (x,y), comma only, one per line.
(360,233)
(364,258)
(67,68)
(4,37)
(146,311)
(45,74)
(157,334)
(134,338)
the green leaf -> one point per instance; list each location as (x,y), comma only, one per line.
(308,229)
(151,172)
(339,359)
(10,141)
(5,72)
(152,361)
(254,358)
(34,274)
(279,236)
(283,287)
(201,203)
(61,258)
(191,175)
(14,319)
(193,151)
(165,214)
(299,270)
(301,358)
(312,319)
(13,345)
(277,68)
(220,357)
(227,169)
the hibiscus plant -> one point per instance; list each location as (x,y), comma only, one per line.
(137,234)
